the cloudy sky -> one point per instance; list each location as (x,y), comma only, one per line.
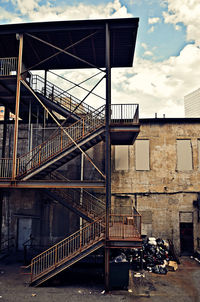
(167,58)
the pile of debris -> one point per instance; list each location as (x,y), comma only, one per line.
(157,257)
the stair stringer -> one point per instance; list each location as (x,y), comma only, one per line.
(68,154)
(64,265)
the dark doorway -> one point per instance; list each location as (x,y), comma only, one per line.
(186,238)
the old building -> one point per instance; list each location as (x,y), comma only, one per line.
(192,104)
(76,176)
(47,197)
(160,174)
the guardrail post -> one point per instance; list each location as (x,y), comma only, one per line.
(61,139)
(52,96)
(56,255)
(17,166)
(83,128)
(39,155)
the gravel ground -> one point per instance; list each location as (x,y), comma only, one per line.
(179,286)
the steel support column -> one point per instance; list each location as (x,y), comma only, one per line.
(6,118)
(17,106)
(108,151)
(29,127)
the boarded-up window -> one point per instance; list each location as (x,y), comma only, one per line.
(184,155)
(186,217)
(121,158)
(142,154)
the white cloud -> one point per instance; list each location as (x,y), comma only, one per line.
(33,10)
(159,86)
(148,53)
(177,27)
(144,45)
(156,86)
(186,12)
(154,20)
(151,30)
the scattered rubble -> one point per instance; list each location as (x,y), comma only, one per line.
(157,256)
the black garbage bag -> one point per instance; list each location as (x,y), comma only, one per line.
(157,269)
(120,258)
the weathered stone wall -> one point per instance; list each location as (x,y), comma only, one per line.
(161,192)
(163,175)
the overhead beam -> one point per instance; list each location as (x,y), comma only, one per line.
(66,52)
(59,52)
(58,184)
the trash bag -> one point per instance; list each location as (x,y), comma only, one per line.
(120,258)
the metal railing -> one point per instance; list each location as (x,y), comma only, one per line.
(125,226)
(8,66)
(7,244)
(124,113)
(91,206)
(67,249)
(6,167)
(60,142)
(59,96)
(137,220)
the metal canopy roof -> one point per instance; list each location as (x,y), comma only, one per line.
(62,34)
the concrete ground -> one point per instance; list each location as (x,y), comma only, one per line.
(180,286)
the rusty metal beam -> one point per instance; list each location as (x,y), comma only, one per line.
(17,106)
(78,85)
(60,126)
(66,52)
(57,53)
(107,151)
(58,184)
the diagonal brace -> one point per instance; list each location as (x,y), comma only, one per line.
(66,52)
(60,126)
(57,53)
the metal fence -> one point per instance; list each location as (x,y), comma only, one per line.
(124,113)
(8,66)
(6,167)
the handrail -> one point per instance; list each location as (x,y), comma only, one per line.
(90,203)
(125,225)
(59,96)
(124,113)
(8,66)
(121,113)
(67,248)
(88,206)
(121,226)
(61,142)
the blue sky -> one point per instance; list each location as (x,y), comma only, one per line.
(167,48)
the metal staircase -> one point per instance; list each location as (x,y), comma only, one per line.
(51,95)
(124,231)
(66,143)
(67,252)
(59,149)
(81,202)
